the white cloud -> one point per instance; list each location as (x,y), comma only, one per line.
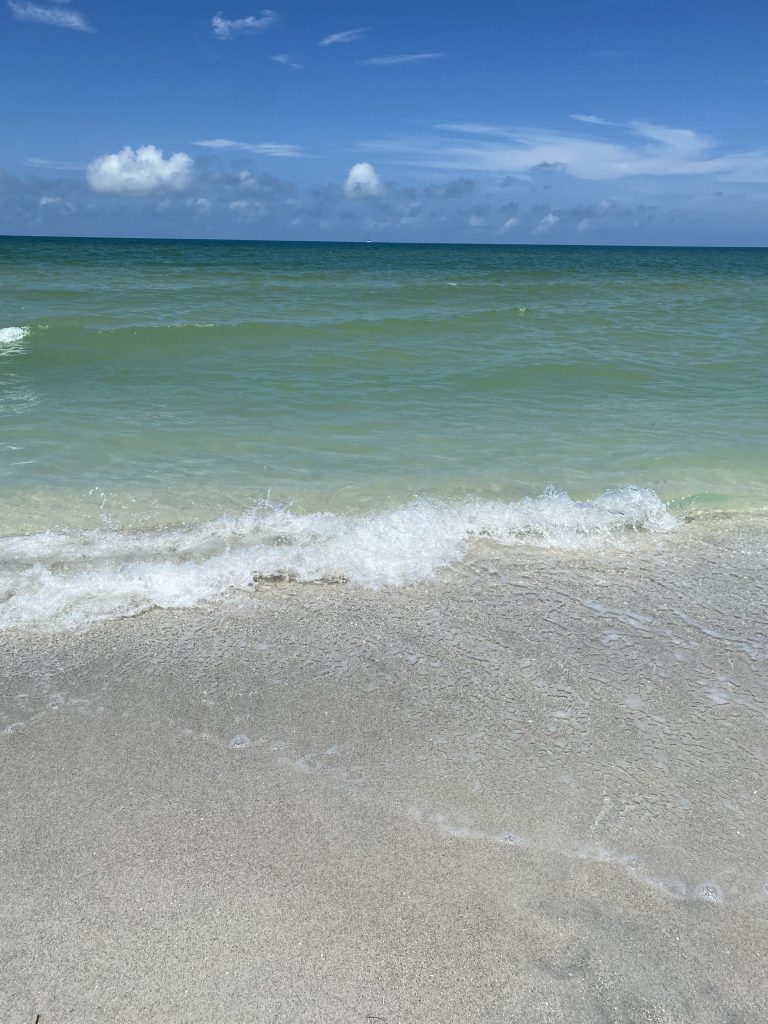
(343,37)
(53,165)
(225,28)
(548,221)
(642,150)
(282,149)
(283,58)
(140,171)
(200,205)
(248,209)
(401,58)
(363,182)
(49,16)
(512,222)
(56,203)
(591,119)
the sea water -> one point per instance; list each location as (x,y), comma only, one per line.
(179,419)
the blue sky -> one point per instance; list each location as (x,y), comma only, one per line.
(610,121)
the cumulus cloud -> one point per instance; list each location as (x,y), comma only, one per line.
(240,203)
(547,222)
(248,209)
(343,37)
(400,58)
(226,28)
(363,182)
(56,203)
(285,149)
(54,16)
(140,171)
(509,223)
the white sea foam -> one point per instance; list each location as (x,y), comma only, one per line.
(70,579)
(12,335)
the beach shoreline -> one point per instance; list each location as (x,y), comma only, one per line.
(531,789)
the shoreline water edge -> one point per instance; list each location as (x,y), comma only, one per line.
(532,787)
(383,634)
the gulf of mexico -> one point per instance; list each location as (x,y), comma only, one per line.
(163,385)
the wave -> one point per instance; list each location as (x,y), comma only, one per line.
(73,578)
(12,335)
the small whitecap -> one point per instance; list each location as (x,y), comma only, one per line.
(10,335)
(240,742)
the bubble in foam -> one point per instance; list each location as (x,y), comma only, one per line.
(511,839)
(709,892)
(673,887)
(240,742)
(631,862)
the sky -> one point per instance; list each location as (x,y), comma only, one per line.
(631,122)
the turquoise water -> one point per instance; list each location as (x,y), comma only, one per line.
(151,386)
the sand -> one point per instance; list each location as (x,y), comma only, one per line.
(531,790)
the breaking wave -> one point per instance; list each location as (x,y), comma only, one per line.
(12,336)
(73,578)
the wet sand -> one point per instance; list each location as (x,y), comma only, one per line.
(534,789)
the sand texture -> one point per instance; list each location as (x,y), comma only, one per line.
(532,790)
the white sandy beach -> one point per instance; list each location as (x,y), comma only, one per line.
(533,790)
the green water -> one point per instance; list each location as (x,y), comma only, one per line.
(163,381)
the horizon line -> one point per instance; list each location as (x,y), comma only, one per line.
(363,242)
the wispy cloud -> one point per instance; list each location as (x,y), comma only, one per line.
(591,119)
(53,16)
(53,165)
(225,28)
(281,149)
(343,37)
(401,58)
(283,58)
(643,149)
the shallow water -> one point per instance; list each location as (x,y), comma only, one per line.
(231,410)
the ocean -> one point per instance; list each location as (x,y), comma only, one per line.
(180,420)
(401,607)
